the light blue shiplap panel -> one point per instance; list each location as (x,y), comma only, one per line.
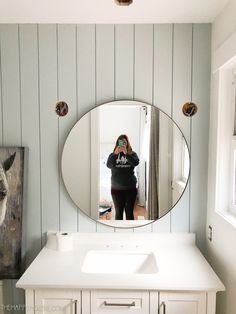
(86,76)
(86,71)
(162,93)
(182,73)
(143,75)
(31,139)
(124,61)
(124,230)
(86,224)
(10,85)
(200,124)
(11,105)
(105,65)
(143,63)
(99,79)
(163,54)
(67,91)
(49,127)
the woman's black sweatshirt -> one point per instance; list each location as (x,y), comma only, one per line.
(122,170)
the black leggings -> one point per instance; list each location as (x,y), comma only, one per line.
(124,201)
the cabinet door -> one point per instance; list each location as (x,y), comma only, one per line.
(119,302)
(182,303)
(48,301)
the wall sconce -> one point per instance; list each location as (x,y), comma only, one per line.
(189,109)
(61,108)
(123,2)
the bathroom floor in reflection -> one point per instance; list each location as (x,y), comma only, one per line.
(140,213)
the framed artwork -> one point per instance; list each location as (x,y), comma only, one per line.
(11,205)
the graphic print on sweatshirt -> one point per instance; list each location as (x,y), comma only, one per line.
(121,162)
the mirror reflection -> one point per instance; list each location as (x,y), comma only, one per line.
(125,161)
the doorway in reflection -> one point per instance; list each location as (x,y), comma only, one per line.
(114,121)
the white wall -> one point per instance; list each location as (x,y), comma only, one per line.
(86,65)
(220,251)
(224,25)
(116,121)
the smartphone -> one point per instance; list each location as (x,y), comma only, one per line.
(121,143)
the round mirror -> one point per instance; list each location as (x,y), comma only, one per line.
(125,163)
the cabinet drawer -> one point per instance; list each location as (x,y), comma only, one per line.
(117,302)
(182,302)
(57,301)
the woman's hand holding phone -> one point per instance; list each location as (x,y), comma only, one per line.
(120,149)
(124,150)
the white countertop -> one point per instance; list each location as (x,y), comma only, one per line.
(181,266)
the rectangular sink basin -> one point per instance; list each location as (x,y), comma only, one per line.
(119,262)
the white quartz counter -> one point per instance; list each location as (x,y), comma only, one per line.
(181,266)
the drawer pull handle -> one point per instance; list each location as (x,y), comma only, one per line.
(76,306)
(164,307)
(119,304)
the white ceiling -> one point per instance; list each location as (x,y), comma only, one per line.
(106,11)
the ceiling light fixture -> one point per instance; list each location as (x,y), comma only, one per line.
(123,2)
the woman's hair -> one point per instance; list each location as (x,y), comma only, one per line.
(121,137)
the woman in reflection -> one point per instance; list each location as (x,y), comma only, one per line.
(123,181)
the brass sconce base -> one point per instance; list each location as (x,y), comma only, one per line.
(189,109)
(61,108)
(123,2)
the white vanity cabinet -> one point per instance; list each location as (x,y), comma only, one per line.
(73,301)
(115,274)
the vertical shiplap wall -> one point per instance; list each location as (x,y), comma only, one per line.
(86,65)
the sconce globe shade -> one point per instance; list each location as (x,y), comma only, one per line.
(123,2)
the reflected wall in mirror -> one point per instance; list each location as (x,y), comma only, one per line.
(116,183)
